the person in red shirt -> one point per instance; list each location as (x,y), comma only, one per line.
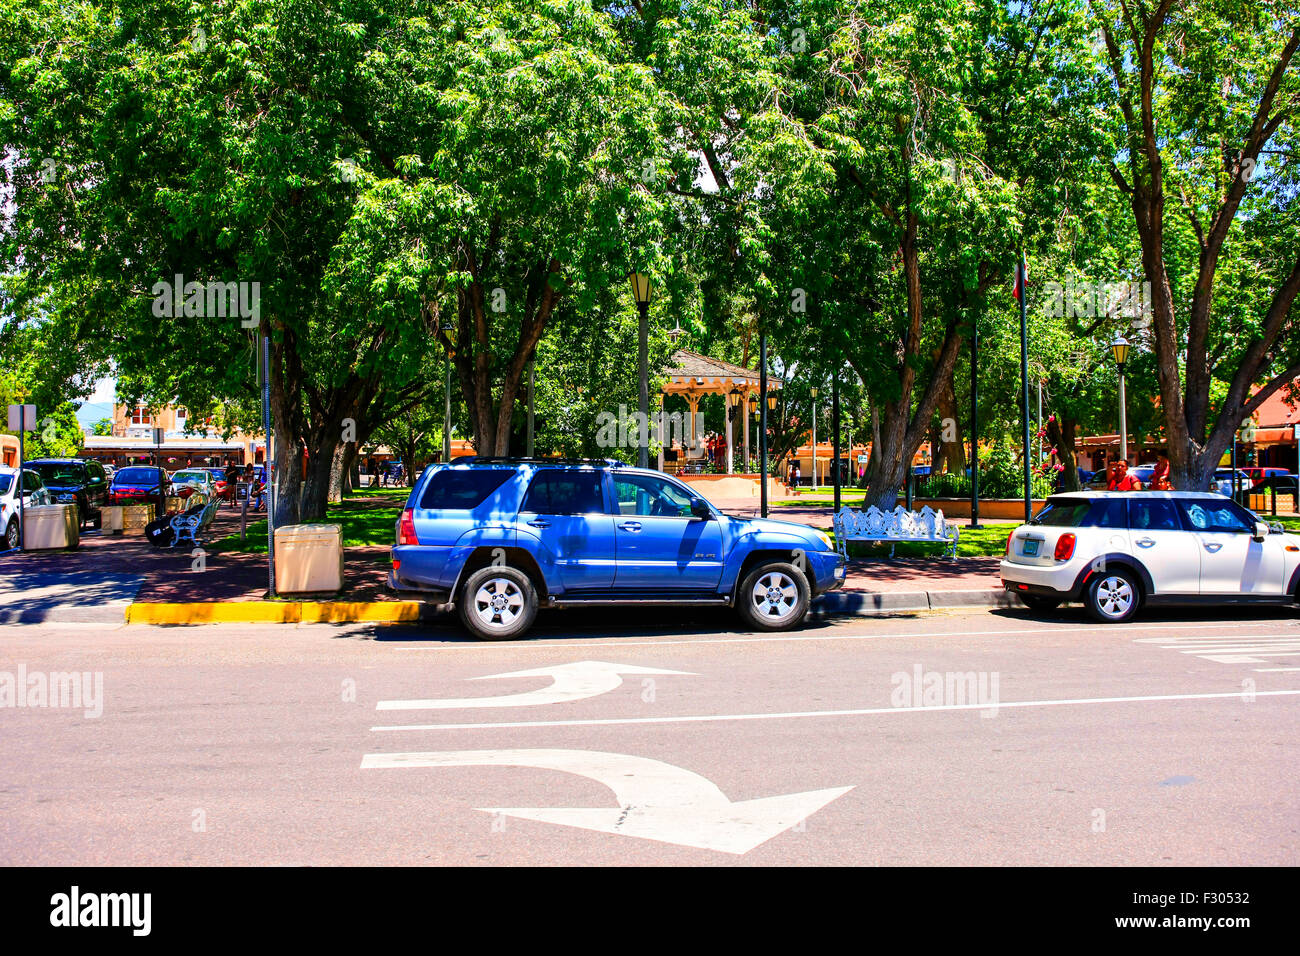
(1160,476)
(1120,479)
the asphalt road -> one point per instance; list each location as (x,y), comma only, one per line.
(959,737)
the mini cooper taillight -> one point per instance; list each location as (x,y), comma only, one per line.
(1064,547)
(1009,537)
(406,528)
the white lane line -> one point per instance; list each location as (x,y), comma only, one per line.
(1028,632)
(862,712)
(1273,670)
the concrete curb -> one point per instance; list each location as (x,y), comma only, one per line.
(874,603)
(279,612)
(834,604)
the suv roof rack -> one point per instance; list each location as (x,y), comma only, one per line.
(521,460)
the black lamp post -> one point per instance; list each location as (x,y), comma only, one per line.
(1120,349)
(641,292)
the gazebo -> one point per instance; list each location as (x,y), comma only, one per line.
(693,376)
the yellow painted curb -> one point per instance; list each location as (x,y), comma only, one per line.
(273,612)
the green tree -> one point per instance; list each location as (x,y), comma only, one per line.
(1201,141)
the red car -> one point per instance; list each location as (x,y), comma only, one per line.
(138,484)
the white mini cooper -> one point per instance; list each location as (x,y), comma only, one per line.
(1116,551)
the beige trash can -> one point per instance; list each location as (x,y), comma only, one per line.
(51,527)
(135,517)
(308,558)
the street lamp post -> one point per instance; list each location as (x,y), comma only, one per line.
(1120,349)
(813,391)
(733,402)
(446,413)
(641,292)
(765,402)
(751,407)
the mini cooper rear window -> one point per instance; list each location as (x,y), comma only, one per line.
(1083,513)
(1063,514)
(457,489)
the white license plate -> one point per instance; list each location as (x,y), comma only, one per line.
(1030,549)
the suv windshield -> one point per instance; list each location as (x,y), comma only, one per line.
(54,473)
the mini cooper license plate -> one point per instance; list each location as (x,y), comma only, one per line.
(1031,548)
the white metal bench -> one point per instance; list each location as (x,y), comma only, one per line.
(873,525)
(188,527)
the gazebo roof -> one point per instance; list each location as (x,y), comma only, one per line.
(693,372)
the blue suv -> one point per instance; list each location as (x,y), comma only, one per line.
(500,537)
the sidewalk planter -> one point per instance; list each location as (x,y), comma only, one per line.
(110,519)
(135,517)
(51,527)
(309,559)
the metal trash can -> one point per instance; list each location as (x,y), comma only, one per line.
(309,558)
(51,527)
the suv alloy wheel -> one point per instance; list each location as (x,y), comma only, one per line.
(773,597)
(497,603)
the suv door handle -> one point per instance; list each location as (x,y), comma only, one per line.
(631,526)
(539,523)
(1213,546)
(1145,542)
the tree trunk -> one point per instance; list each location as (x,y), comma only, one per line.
(320,465)
(1061,432)
(953,452)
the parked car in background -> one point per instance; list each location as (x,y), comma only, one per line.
(78,481)
(501,537)
(192,481)
(1223,484)
(1281,484)
(1100,479)
(138,484)
(1119,551)
(33,492)
(1258,473)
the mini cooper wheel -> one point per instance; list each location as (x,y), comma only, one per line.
(11,535)
(1113,596)
(498,603)
(774,597)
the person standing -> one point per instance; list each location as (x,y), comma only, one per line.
(1120,480)
(1160,475)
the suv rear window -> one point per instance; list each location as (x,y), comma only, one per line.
(457,489)
(565,493)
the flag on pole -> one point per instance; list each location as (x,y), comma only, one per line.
(1017,288)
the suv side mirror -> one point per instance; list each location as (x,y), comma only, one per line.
(1261,531)
(700,509)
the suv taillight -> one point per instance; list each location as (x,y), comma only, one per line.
(1064,547)
(406,528)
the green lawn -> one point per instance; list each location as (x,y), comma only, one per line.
(363,525)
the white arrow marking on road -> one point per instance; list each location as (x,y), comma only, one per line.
(569,682)
(657,801)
